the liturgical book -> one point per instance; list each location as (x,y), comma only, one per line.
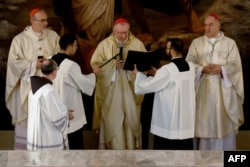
(143,60)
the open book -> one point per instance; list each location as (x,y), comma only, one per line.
(143,60)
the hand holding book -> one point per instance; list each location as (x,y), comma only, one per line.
(143,60)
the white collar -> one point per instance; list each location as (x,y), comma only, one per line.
(213,40)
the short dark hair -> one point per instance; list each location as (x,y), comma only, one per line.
(177,44)
(66,40)
(48,66)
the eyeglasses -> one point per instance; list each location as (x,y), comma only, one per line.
(42,20)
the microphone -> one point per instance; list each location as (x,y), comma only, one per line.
(121,50)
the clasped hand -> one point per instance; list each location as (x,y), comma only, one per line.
(212,69)
(151,72)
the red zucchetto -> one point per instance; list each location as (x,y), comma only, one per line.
(214,15)
(120,20)
(34,11)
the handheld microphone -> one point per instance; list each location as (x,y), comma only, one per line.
(121,50)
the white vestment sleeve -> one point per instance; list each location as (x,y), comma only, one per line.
(57,111)
(86,83)
(144,84)
(29,71)
(225,81)
(198,75)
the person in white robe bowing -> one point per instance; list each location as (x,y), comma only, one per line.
(48,117)
(70,84)
(27,51)
(173,117)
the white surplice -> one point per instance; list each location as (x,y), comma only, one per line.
(47,120)
(173,114)
(70,84)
